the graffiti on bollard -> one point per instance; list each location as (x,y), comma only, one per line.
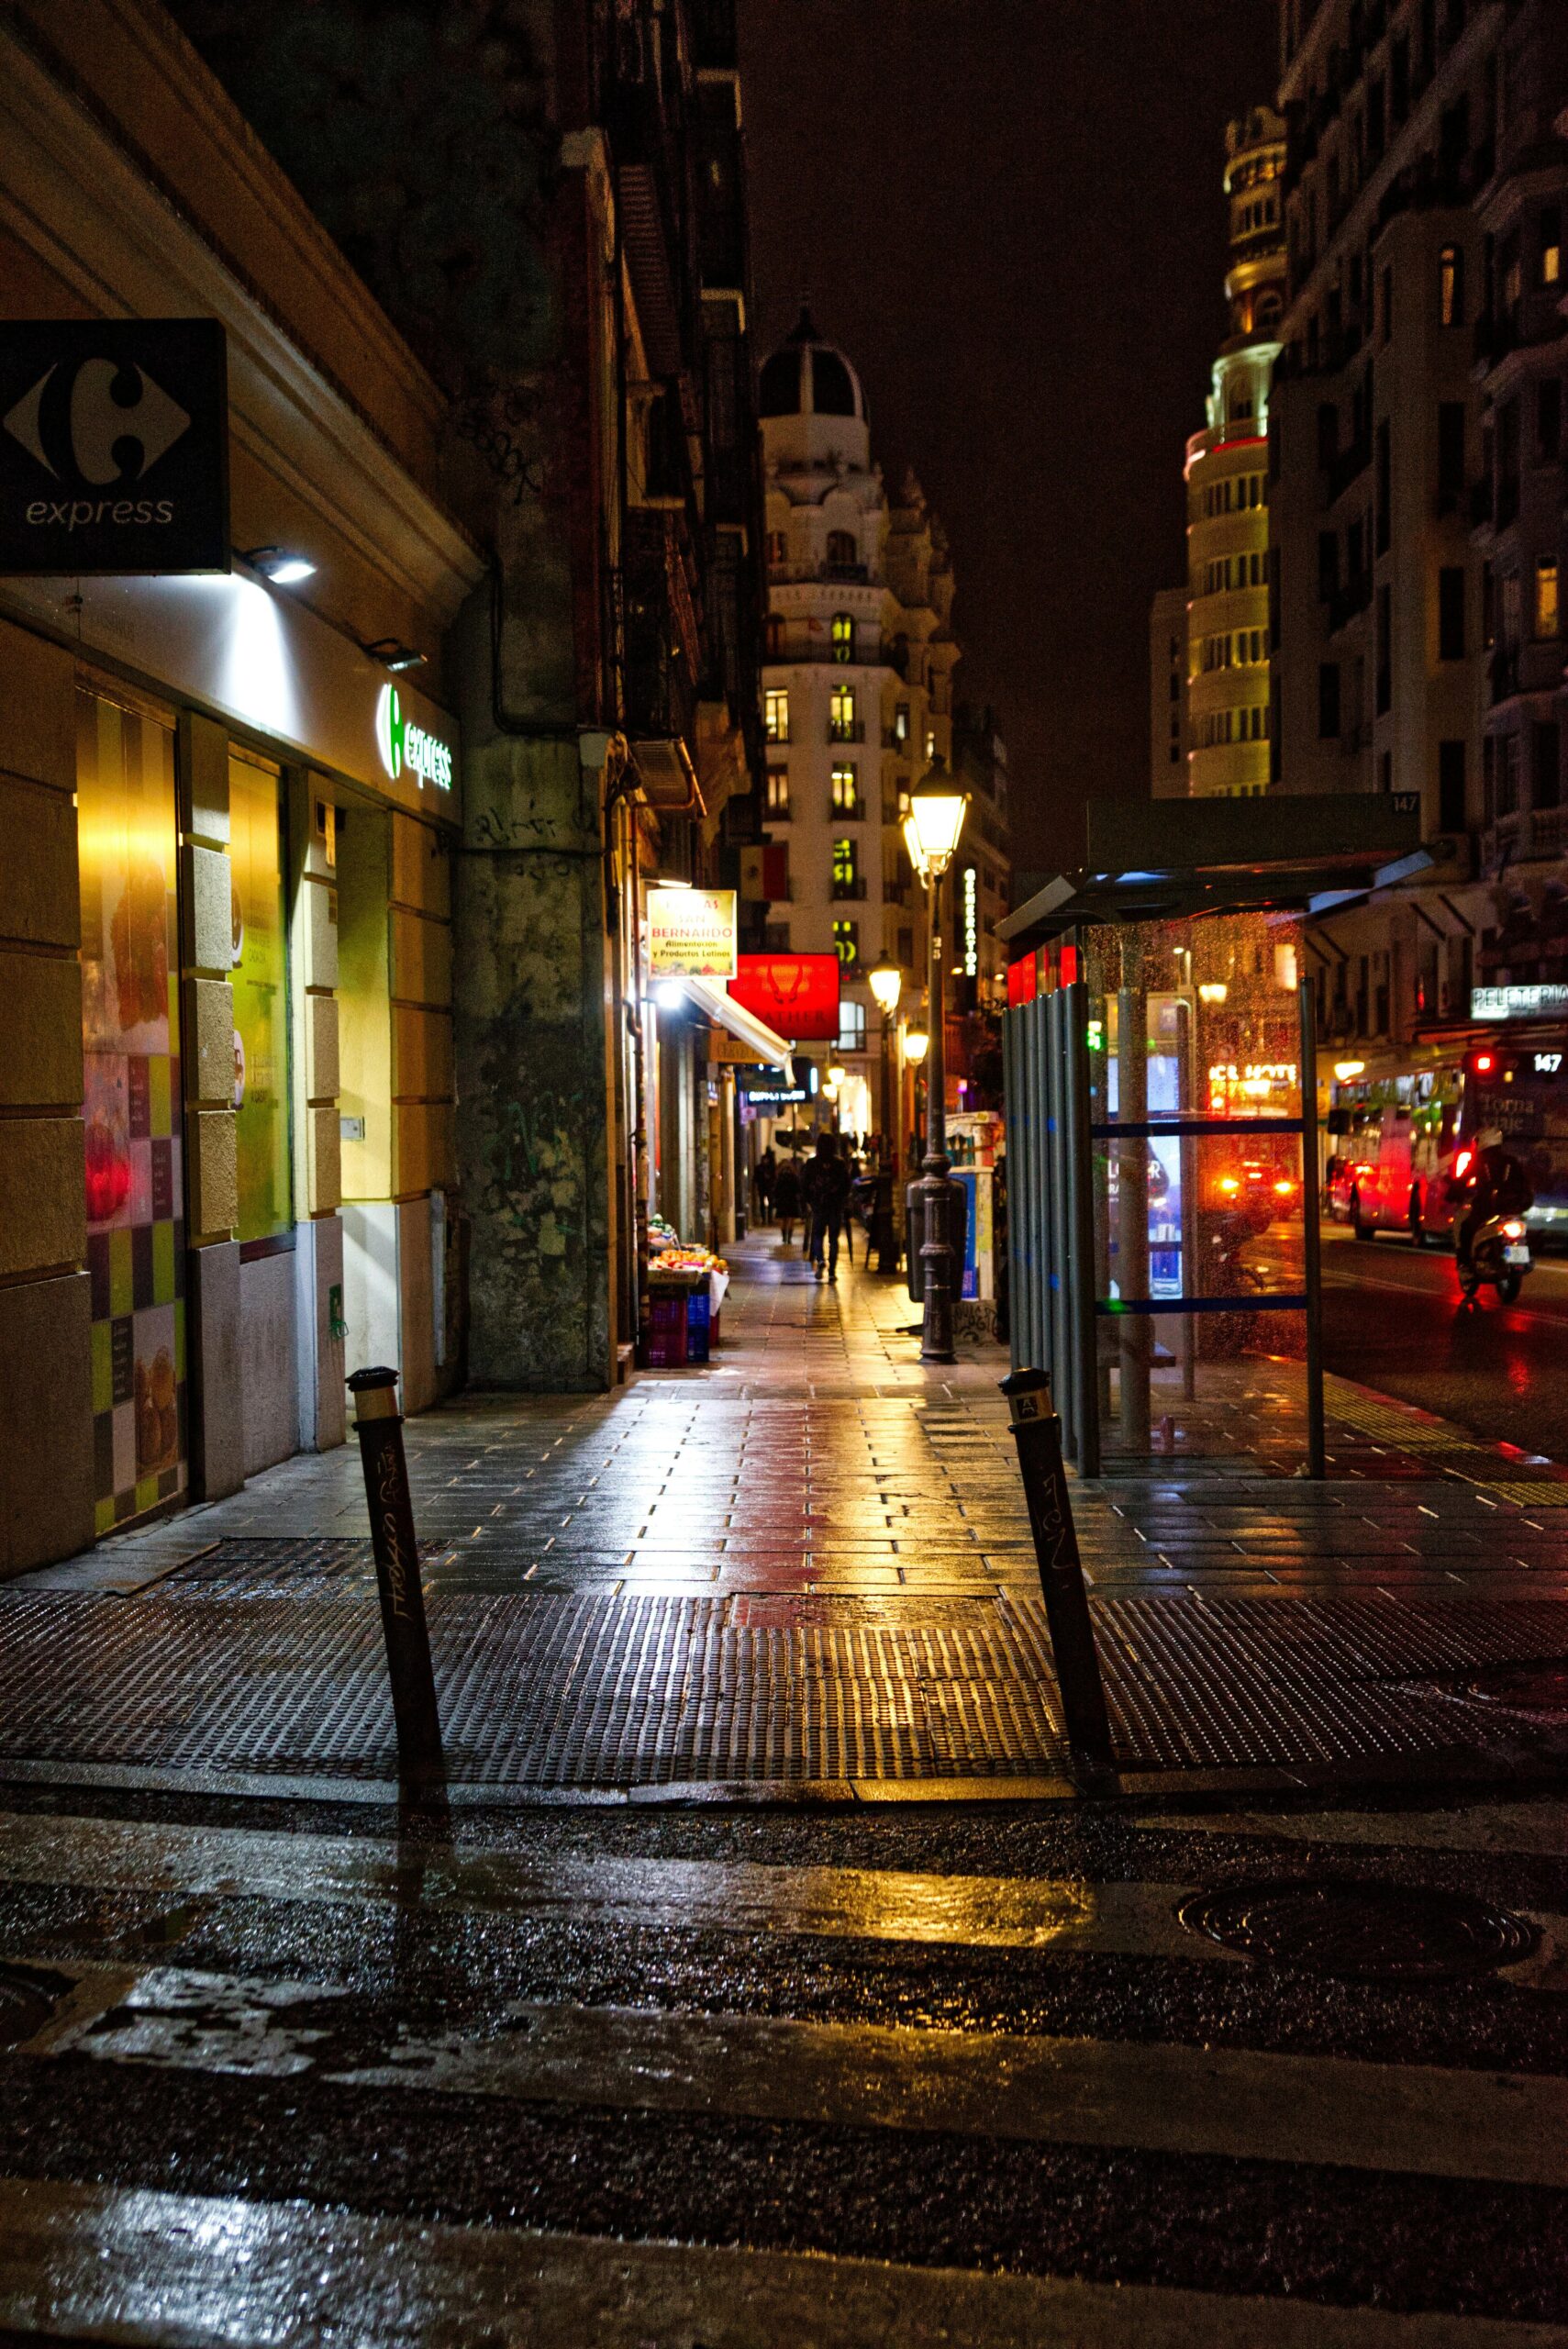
(1037,1431)
(421,1766)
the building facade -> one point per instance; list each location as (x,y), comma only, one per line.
(1417,499)
(324,912)
(1211,738)
(226,1170)
(858,701)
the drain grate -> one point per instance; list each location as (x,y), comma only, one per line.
(1361,1931)
(26,2004)
(1536,1687)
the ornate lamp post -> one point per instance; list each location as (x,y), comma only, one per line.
(886,983)
(931,832)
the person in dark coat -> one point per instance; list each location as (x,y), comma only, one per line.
(828,1191)
(765,1178)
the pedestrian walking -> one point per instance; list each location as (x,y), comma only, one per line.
(828,1192)
(765,1178)
(788,1198)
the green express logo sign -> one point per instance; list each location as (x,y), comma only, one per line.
(402,744)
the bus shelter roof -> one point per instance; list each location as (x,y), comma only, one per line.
(1170,860)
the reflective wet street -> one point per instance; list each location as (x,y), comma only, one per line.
(767,1981)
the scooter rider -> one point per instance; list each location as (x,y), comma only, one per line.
(1496,1185)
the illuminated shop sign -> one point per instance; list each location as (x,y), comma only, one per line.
(971,921)
(1547,1002)
(402,744)
(691,933)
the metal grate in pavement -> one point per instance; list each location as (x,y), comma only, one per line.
(552,1690)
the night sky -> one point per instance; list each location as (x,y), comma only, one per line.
(1009,214)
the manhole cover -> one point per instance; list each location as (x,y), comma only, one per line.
(1539,1685)
(1363,1931)
(25,2005)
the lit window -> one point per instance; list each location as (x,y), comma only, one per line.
(1551,246)
(841,550)
(847,943)
(1546,609)
(846,791)
(778,792)
(901,724)
(851,1025)
(846,878)
(841,715)
(775,715)
(843,636)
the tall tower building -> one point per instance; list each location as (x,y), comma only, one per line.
(857,688)
(1227,713)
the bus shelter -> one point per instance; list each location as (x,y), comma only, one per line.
(1160,1060)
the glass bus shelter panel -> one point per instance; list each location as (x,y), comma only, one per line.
(1197,1117)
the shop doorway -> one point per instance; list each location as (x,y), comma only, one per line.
(268,1363)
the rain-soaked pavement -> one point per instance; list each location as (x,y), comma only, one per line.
(774,1987)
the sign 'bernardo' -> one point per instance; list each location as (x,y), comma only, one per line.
(401,743)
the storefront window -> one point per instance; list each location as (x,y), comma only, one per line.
(261,1003)
(135,1187)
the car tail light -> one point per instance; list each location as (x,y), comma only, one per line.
(1282,1190)
(1484,1063)
(1229,1185)
(1462,1164)
(1513,1229)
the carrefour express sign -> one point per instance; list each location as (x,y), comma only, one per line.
(407,746)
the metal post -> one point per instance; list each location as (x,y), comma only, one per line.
(378,1422)
(936,1214)
(1311,1233)
(1080,1207)
(1017,1158)
(1037,1431)
(1058,1359)
(1033,1064)
(887,1173)
(1134,1330)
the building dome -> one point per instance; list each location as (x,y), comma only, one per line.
(810,377)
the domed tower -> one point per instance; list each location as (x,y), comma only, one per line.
(1229,718)
(857,694)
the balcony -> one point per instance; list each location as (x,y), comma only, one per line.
(846,729)
(854,812)
(1347,601)
(850,892)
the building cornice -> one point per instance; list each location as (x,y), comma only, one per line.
(73,197)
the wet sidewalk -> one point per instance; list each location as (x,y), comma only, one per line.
(806,1568)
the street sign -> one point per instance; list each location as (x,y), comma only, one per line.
(113,447)
(798,995)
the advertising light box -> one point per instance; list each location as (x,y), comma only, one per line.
(798,995)
(691,933)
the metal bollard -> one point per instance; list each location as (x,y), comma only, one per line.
(1037,1431)
(379,1425)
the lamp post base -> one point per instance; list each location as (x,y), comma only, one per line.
(934,1192)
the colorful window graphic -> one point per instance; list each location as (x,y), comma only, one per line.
(135,1184)
(261,1003)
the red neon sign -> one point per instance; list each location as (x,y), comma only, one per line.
(1022,981)
(798,995)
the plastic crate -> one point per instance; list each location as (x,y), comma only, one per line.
(699,1324)
(664,1340)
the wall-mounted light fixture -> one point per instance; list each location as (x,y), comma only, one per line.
(282,565)
(395,656)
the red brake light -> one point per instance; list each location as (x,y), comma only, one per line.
(1484,1063)
(1513,1229)
(1462,1164)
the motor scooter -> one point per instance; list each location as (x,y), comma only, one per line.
(1499,1255)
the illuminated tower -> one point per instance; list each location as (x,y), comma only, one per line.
(1227,473)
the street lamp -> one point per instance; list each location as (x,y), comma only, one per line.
(931,830)
(886,983)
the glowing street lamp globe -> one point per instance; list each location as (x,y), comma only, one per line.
(935,822)
(916,1044)
(835,1076)
(885,981)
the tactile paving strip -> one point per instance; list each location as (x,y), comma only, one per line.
(547,1689)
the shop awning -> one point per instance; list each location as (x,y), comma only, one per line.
(725,1012)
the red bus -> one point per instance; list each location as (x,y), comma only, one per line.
(1399,1144)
